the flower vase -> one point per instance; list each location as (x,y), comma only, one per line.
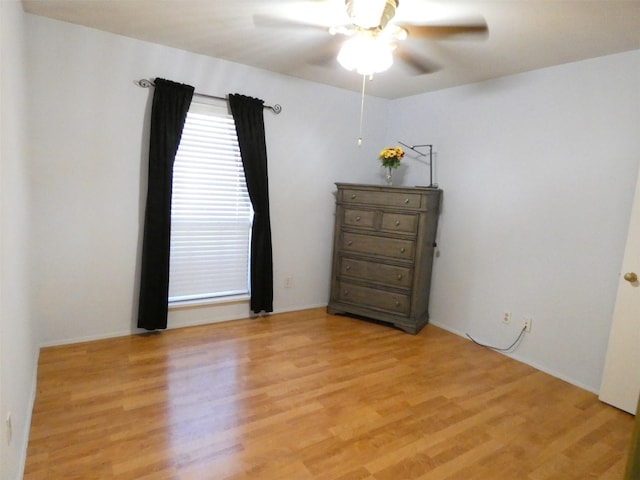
(389,177)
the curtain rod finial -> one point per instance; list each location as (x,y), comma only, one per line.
(145,83)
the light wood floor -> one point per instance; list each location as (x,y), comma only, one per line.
(307,395)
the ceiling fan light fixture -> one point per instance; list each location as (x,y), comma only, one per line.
(371,13)
(366,54)
(399,33)
(341,30)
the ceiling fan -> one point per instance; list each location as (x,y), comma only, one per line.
(373,37)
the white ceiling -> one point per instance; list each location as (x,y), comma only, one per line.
(523,35)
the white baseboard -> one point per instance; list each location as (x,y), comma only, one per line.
(172,326)
(521,359)
(29,414)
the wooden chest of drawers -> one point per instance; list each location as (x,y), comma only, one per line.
(383,253)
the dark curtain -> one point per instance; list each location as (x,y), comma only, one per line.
(249,119)
(168,113)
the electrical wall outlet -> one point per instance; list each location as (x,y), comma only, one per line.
(527,324)
(288,282)
(506,318)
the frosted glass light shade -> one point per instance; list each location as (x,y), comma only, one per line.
(366,54)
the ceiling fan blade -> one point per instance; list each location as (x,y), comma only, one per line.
(445,31)
(327,53)
(271,21)
(418,64)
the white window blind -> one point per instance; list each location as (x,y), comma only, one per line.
(211,212)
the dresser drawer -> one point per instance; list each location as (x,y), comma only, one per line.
(374,245)
(374,298)
(359,218)
(376,272)
(386,199)
(399,222)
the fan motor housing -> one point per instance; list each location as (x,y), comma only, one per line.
(354,11)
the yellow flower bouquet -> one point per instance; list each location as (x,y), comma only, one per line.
(390,157)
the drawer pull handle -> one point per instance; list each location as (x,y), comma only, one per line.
(402,250)
(399,276)
(406,200)
(397,223)
(397,303)
(346,293)
(350,242)
(348,267)
(358,218)
(353,196)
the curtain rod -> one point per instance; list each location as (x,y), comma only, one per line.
(146,83)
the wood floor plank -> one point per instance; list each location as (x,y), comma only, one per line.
(307,395)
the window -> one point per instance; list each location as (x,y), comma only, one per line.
(211,212)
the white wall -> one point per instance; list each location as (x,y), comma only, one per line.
(18,342)
(537,170)
(538,173)
(89,147)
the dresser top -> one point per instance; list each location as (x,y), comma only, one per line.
(383,188)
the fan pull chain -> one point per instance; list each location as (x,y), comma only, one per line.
(364,79)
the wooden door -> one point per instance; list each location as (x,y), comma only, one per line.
(621,377)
